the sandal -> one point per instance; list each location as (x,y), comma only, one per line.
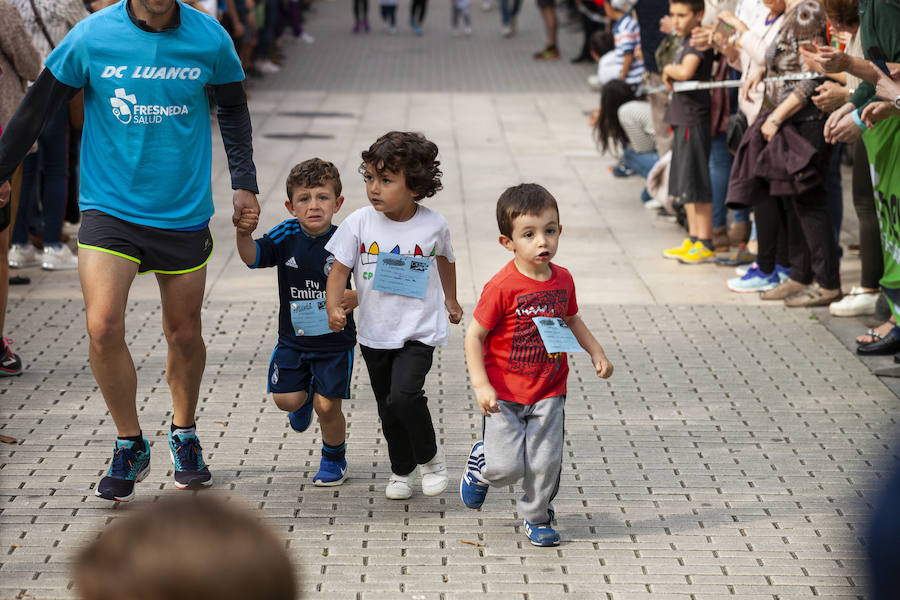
(873,334)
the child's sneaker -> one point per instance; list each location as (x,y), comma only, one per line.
(621,170)
(698,253)
(10,364)
(678,251)
(356,27)
(754,280)
(399,487)
(366,26)
(331,472)
(541,534)
(472,490)
(302,417)
(129,465)
(434,474)
(187,456)
(547,54)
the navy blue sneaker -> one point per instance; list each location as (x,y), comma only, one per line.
(541,534)
(129,465)
(187,456)
(472,490)
(302,417)
(331,472)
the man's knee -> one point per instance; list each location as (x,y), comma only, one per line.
(184,332)
(105,332)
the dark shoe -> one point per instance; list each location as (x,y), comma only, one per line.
(130,464)
(814,295)
(191,472)
(621,170)
(897,358)
(740,257)
(547,54)
(720,240)
(785,289)
(889,344)
(581,59)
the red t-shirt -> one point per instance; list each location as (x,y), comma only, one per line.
(517,364)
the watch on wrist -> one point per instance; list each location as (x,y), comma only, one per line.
(897,102)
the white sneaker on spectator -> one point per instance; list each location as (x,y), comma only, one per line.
(58,259)
(307,38)
(434,474)
(23,255)
(399,487)
(593,82)
(857,302)
(506,30)
(652,204)
(467,30)
(267,66)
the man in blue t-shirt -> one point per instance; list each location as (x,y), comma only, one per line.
(145,197)
(311,365)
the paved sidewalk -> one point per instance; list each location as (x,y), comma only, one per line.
(734,454)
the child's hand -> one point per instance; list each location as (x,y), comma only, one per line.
(603,366)
(667,79)
(454,309)
(487,399)
(248,221)
(349,301)
(337,320)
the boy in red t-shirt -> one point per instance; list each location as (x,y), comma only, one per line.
(521,389)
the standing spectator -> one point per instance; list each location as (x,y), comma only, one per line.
(649,13)
(360,16)
(551,26)
(626,38)
(460,12)
(417,16)
(19,63)
(593,19)
(389,14)
(509,10)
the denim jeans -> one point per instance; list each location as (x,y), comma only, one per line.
(507,12)
(639,162)
(720,160)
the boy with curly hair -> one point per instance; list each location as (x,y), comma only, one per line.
(403,264)
(311,366)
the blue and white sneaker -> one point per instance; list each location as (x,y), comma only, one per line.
(541,534)
(129,465)
(754,280)
(472,489)
(187,456)
(302,417)
(783,272)
(331,472)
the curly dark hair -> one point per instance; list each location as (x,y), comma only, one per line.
(412,154)
(522,199)
(311,173)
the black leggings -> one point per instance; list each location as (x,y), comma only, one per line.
(389,14)
(361,10)
(771,235)
(869,236)
(417,7)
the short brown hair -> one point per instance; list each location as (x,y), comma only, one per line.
(311,173)
(522,199)
(696,6)
(186,548)
(409,152)
(842,12)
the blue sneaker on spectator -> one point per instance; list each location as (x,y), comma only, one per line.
(472,490)
(754,280)
(783,272)
(331,472)
(187,456)
(302,417)
(130,464)
(541,534)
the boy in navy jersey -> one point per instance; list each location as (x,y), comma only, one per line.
(311,366)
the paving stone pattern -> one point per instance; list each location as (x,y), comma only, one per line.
(704,469)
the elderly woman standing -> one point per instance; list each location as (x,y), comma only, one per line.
(19,63)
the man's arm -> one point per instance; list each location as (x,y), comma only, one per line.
(237,136)
(41,102)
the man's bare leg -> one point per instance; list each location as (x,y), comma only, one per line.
(105,281)
(550,23)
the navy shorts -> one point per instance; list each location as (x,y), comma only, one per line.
(155,250)
(328,373)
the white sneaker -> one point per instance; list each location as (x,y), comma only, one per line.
(434,474)
(307,38)
(23,255)
(267,66)
(652,204)
(467,30)
(506,30)
(399,487)
(857,302)
(487,5)
(741,270)
(593,82)
(58,259)
(392,30)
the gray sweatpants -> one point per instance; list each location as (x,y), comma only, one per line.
(525,441)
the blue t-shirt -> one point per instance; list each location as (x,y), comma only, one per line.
(146,148)
(303,267)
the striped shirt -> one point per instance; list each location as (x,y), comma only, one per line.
(627,37)
(637,123)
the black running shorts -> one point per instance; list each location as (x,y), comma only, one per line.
(154,250)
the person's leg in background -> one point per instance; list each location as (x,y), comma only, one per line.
(869,236)
(10,363)
(54,160)
(720,160)
(835,196)
(266,39)
(22,253)
(551,25)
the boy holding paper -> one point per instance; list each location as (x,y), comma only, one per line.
(516,353)
(311,365)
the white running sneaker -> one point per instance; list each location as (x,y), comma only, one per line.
(59,259)
(467,30)
(857,302)
(399,487)
(267,66)
(434,474)
(506,30)
(23,255)
(307,38)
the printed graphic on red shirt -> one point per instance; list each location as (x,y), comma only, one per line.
(527,355)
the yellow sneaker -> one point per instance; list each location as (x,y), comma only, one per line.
(697,254)
(678,251)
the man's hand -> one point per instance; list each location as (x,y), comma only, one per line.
(603,366)
(835,117)
(888,88)
(487,399)
(337,319)
(454,310)
(878,111)
(243,199)
(5,191)
(247,222)
(844,130)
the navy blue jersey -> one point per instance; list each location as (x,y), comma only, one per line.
(303,267)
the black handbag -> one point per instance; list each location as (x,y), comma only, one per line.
(737,127)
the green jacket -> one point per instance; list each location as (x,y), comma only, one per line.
(879,26)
